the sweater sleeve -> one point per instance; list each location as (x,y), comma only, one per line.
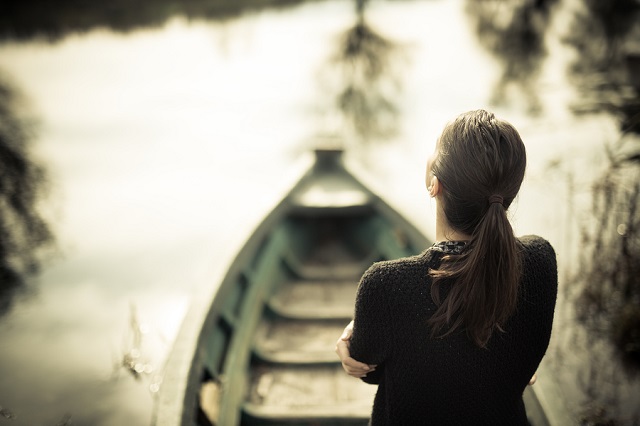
(370,341)
(542,287)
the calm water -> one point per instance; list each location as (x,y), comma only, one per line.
(166,146)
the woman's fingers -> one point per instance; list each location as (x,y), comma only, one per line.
(348,330)
(355,368)
(342,349)
(351,366)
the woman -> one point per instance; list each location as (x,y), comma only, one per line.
(454,335)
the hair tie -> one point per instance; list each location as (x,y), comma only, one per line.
(496,199)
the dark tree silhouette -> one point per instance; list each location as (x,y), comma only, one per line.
(367,63)
(609,273)
(609,299)
(52,20)
(605,36)
(23,232)
(606,285)
(514,33)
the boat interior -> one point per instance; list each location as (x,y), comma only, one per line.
(270,358)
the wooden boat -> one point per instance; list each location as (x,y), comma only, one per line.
(261,352)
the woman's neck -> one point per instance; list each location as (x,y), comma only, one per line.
(444,232)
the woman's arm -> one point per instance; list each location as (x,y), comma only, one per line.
(351,366)
(364,344)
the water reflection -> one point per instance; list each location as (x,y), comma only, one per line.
(605,288)
(23,231)
(606,39)
(133,360)
(368,68)
(54,20)
(170,152)
(6,413)
(514,33)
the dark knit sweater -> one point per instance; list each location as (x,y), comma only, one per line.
(449,381)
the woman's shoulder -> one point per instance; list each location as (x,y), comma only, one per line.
(536,244)
(399,267)
(539,258)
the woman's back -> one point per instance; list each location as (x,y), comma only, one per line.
(450,380)
(458,334)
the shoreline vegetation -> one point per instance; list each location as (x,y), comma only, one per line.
(605,288)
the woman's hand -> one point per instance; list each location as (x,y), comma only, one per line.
(351,366)
(533,379)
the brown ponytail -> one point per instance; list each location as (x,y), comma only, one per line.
(481,164)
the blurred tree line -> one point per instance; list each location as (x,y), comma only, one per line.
(52,20)
(514,34)
(607,73)
(606,68)
(23,232)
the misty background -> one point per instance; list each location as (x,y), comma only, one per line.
(141,142)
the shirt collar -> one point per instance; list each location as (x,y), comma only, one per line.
(450,247)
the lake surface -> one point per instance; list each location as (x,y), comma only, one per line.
(166,146)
